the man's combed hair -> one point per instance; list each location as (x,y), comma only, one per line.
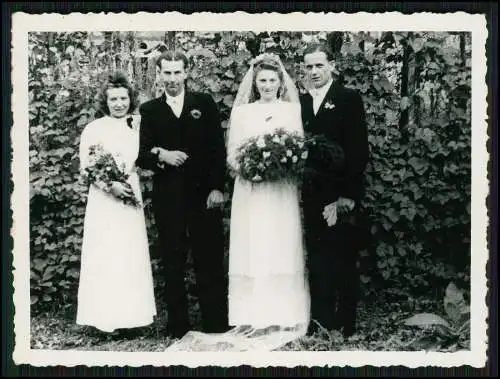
(319,47)
(173,55)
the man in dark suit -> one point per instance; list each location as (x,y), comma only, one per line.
(333,236)
(182,141)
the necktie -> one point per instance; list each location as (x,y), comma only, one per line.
(316,100)
(174,104)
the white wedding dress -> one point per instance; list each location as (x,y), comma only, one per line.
(116,283)
(267,284)
(268,292)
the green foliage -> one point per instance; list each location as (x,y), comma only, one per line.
(450,331)
(416,90)
(380,327)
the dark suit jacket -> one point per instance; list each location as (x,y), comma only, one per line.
(197,132)
(344,124)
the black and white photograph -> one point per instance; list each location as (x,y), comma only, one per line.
(268,189)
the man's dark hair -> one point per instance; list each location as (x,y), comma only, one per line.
(319,48)
(173,55)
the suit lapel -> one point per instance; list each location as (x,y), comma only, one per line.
(308,111)
(188,104)
(329,97)
(165,107)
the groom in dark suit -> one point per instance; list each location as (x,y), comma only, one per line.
(182,141)
(333,237)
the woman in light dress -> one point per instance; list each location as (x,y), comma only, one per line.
(267,284)
(268,292)
(116,283)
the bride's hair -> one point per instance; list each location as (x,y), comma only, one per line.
(266,64)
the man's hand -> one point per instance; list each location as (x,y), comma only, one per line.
(171,157)
(216,198)
(330,213)
(345,205)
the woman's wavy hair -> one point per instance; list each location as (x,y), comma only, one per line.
(117,79)
(266,64)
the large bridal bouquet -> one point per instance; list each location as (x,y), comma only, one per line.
(272,157)
(103,170)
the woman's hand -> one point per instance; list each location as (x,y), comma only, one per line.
(121,190)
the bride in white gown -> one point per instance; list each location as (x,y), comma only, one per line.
(268,292)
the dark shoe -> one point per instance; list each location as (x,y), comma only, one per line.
(128,334)
(348,330)
(177,332)
(217,329)
(315,327)
(346,324)
(312,329)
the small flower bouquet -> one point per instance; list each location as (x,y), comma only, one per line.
(272,157)
(103,170)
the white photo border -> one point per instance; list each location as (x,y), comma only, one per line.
(23,23)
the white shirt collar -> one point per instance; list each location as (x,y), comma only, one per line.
(175,99)
(321,92)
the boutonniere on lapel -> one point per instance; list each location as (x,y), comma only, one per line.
(196,113)
(329,105)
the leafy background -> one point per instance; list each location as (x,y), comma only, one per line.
(416,89)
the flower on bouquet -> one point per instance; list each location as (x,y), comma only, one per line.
(272,157)
(103,170)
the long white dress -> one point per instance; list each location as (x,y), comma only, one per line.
(116,283)
(267,281)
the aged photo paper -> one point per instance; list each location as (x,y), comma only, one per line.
(23,23)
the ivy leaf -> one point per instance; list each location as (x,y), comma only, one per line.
(365,279)
(73,273)
(410,213)
(386,274)
(82,121)
(405,103)
(417,44)
(391,116)
(424,320)
(401,251)
(228,100)
(419,165)
(39,264)
(229,74)
(454,303)
(393,215)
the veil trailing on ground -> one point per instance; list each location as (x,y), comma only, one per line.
(246,337)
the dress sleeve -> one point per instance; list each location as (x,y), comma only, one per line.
(235,136)
(87,139)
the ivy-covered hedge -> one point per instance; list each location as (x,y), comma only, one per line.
(416,88)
